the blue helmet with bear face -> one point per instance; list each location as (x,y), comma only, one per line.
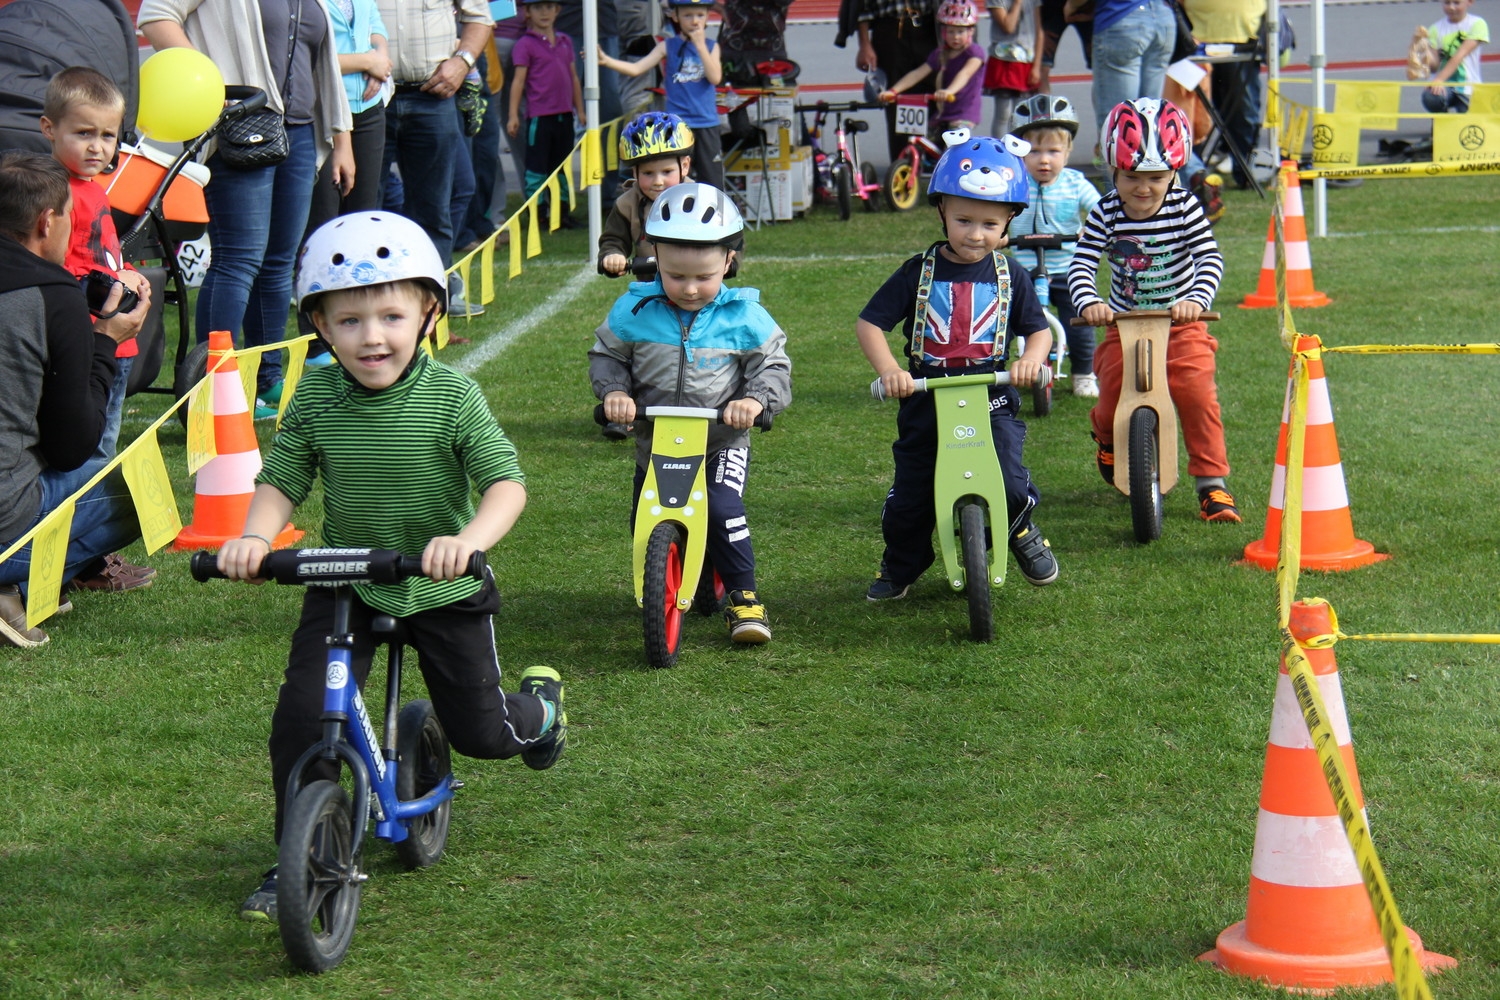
(982,168)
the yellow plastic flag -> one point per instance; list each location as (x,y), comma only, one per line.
(49,557)
(465,273)
(442,336)
(611,147)
(554,207)
(487,271)
(249,365)
(201,447)
(1335,140)
(533,232)
(567,172)
(514,228)
(151,489)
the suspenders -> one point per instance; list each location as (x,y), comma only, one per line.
(924,292)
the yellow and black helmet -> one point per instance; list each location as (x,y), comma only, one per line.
(654,134)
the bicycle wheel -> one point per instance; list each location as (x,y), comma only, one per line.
(189,374)
(1145,476)
(1041,399)
(661,618)
(318,879)
(843,189)
(869,180)
(422,749)
(710,593)
(901,179)
(976,572)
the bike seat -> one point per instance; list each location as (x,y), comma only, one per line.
(856,125)
(383,624)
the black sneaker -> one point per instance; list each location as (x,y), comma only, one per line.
(885,589)
(1106,459)
(746,618)
(1216,504)
(261,904)
(544,683)
(1034,555)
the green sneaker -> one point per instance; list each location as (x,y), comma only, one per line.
(264,411)
(272,395)
(261,904)
(544,683)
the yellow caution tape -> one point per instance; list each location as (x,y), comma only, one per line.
(1404,170)
(1416,349)
(1289,559)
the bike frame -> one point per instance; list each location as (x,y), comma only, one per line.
(675,490)
(1143,351)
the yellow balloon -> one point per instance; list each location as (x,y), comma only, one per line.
(182,93)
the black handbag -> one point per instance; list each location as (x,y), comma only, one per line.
(259,139)
(1185,44)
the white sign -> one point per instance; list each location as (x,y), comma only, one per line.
(911,115)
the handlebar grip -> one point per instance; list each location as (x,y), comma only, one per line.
(246,100)
(1002,377)
(303,566)
(205,567)
(1206,317)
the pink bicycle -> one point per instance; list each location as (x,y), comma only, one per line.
(903,178)
(842,183)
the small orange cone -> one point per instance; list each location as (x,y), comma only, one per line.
(227,482)
(1309,924)
(1300,293)
(1328,541)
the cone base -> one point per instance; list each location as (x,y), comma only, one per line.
(1361,553)
(1237,955)
(190,538)
(1312,300)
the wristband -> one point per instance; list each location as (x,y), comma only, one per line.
(269,544)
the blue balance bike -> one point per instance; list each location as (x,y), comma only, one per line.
(1040,243)
(405,782)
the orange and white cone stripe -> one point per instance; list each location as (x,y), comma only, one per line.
(226,483)
(1300,292)
(1328,541)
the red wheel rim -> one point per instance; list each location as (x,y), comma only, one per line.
(671,613)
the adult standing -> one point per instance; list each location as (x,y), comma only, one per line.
(895,36)
(256,216)
(365,62)
(422,136)
(1133,42)
(570,20)
(59,366)
(1235,86)
(753,32)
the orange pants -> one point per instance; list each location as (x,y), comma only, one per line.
(1190,380)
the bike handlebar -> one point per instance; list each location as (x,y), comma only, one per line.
(847,107)
(1041,241)
(1002,377)
(1144,314)
(327,566)
(764,419)
(641,268)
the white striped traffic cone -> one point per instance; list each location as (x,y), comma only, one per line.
(227,482)
(1300,292)
(1309,924)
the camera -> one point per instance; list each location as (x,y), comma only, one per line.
(96,286)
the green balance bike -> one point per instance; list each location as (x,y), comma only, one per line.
(671,527)
(969,486)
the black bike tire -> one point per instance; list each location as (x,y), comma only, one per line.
(710,596)
(843,184)
(317,888)
(661,619)
(1041,399)
(976,572)
(189,374)
(868,179)
(1145,477)
(901,184)
(424,760)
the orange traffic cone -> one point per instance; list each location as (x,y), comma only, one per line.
(1309,923)
(225,485)
(1300,293)
(1328,541)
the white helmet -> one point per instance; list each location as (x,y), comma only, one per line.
(695,214)
(368,248)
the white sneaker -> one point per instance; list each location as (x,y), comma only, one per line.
(1086,385)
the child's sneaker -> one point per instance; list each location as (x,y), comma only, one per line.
(544,683)
(261,904)
(1086,385)
(1216,504)
(1034,555)
(746,618)
(264,411)
(1105,456)
(885,589)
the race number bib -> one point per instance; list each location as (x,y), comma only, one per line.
(911,115)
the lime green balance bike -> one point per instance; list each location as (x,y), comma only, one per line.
(671,527)
(969,487)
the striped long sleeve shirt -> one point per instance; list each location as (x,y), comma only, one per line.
(1153,262)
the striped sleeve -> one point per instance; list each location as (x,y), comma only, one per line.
(1198,237)
(487,455)
(1083,272)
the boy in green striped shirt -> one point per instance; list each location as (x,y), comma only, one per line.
(401,442)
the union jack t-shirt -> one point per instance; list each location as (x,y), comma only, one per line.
(961,327)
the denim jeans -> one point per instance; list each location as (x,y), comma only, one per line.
(255,221)
(422,137)
(109,441)
(1131,57)
(103,520)
(463,187)
(1449,100)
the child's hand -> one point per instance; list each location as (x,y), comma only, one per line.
(741,413)
(898,384)
(447,557)
(513,127)
(619,408)
(942,96)
(614,264)
(1098,314)
(1024,372)
(240,558)
(1186,311)
(887,96)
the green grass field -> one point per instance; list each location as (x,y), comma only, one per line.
(871,806)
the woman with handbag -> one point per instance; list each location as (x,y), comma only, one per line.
(262,183)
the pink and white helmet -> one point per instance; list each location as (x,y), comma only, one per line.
(960,13)
(1147,135)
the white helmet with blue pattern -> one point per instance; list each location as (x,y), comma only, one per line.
(368,248)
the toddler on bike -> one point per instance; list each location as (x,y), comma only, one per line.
(1061,198)
(684,339)
(958,63)
(657,146)
(961,302)
(400,441)
(1162,255)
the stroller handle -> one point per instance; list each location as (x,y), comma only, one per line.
(242,101)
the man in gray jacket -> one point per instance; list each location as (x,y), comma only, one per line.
(55,378)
